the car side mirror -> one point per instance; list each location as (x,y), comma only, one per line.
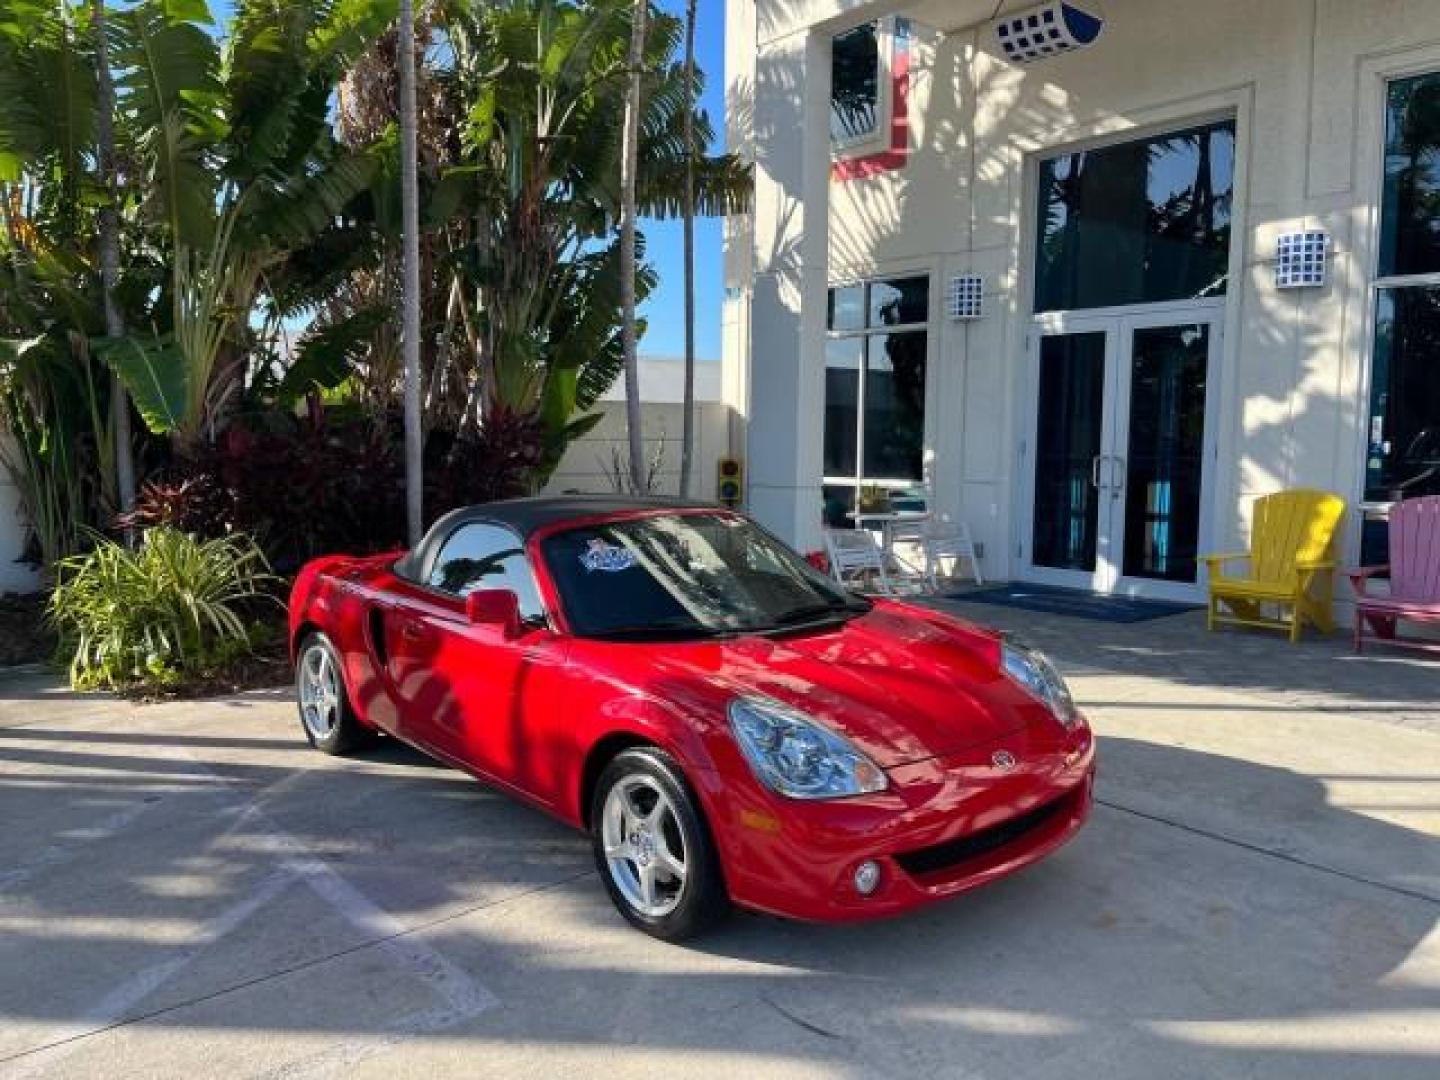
(498,609)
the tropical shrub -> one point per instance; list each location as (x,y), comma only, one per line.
(500,461)
(196,504)
(331,481)
(306,486)
(174,608)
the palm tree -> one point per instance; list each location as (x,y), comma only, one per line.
(237,171)
(531,212)
(687,439)
(110,255)
(410,281)
(629,163)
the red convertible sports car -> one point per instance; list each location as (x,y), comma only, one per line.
(728,723)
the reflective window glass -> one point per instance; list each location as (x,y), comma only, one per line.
(847,308)
(854,83)
(899,301)
(480,556)
(1141,222)
(1410,214)
(842,404)
(1403,459)
(874,386)
(895,405)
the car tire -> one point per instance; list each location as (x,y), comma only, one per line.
(323,700)
(631,847)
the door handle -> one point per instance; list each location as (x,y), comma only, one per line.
(1095,471)
(410,630)
(1117,483)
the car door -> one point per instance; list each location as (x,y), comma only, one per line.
(466,692)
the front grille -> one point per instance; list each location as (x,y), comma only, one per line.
(952,853)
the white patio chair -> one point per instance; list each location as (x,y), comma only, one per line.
(904,543)
(946,539)
(854,556)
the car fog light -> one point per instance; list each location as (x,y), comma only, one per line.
(867,877)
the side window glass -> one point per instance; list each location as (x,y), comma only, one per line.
(487,557)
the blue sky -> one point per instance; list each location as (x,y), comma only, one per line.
(665,310)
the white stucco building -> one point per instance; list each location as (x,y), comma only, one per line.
(1141,368)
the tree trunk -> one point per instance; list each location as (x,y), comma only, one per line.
(629,164)
(687,440)
(110,257)
(410,276)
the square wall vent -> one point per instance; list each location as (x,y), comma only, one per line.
(967,297)
(1046,30)
(1300,259)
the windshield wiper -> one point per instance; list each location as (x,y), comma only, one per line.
(818,613)
(663,630)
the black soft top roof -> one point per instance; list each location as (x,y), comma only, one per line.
(527,516)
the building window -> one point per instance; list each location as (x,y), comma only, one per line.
(1409,217)
(855,97)
(1137,223)
(874,389)
(1403,455)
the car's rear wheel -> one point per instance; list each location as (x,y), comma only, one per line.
(325,713)
(653,848)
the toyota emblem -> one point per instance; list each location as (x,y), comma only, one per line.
(1003,760)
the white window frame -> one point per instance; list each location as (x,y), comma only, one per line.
(1374,77)
(859,480)
(871,142)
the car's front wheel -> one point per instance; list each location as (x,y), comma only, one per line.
(653,849)
(325,713)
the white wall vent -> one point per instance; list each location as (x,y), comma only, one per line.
(1300,259)
(967,297)
(1046,30)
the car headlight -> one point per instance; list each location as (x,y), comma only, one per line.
(1036,674)
(797,757)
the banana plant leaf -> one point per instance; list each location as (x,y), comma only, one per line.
(156,375)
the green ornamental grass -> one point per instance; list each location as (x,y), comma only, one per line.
(172,608)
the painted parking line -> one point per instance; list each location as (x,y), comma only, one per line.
(63,1040)
(75,842)
(462,996)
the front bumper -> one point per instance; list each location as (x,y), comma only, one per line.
(945,826)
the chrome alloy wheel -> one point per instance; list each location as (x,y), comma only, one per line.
(318,684)
(644,846)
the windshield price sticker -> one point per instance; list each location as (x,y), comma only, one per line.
(598,555)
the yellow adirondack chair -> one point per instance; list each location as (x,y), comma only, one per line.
(1289,554)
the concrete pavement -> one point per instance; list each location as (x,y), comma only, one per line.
(187,889)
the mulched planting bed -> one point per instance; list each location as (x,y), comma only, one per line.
(267,669)
(26,638)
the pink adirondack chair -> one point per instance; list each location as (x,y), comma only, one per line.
(1414,578)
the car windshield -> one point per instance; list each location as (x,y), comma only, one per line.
(687,575)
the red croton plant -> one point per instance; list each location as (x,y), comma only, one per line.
(325,483)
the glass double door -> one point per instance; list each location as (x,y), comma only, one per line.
(1119,451)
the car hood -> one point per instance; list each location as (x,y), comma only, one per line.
(903,683)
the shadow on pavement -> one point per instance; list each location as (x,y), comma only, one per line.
(1145,944)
